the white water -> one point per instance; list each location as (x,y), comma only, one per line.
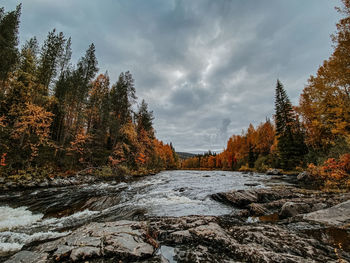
(169,193)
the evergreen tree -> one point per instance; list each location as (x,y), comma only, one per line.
(291,146)
(9,23)
(145,118)
(50,55)
(122,97)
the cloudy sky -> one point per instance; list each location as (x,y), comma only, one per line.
(206,68)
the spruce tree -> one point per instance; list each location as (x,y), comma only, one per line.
(9,23)
(291,146)
(50,55)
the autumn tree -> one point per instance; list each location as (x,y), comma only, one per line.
(325,101)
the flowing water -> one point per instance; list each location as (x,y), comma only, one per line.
(47,213)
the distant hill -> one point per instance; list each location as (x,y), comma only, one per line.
(184,155)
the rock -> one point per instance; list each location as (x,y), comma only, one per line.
(117,240)
(243,198)
(180,236)
(238,198)
(257,209)
(273,172)
(337,216)
(252,184)
(28,257)
(100,203)
(212,241)
(290,209)
(62,252)
(85,252)
(303,176)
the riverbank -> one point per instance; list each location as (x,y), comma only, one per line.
(254,218)
(308,228)
(86,176)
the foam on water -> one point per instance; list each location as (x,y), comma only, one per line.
(15,228)
(11,218)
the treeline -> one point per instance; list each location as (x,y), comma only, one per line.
(315,131)
(57,115)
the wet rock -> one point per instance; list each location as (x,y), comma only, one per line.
(238,198)
(28,257)
(273,172)
(101,202)
(257,209)
(252,184)
(116,240)
(243,198)
(290,209)
(338,215)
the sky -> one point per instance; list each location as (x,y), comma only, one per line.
(206,68)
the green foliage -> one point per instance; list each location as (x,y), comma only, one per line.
(291,146)
(104,171)
(9,24)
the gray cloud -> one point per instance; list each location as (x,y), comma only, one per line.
(206,68)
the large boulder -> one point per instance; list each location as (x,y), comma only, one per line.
(120,240)
(290,209)
(337,216)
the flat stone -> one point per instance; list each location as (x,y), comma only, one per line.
(338,215)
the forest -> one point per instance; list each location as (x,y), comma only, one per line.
(56,117)
(314,135)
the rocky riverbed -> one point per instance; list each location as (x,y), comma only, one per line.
(268,222)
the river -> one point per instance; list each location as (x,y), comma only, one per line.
(47,213)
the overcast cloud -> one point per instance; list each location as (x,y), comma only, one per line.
(206,68)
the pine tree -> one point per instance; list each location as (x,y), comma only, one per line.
(145,118)
(9,23)
(50,55)
(290,144)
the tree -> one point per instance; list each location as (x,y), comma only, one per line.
(32,129)
(9,23)
(50,56)
(122,97)
(325,101)
(290,146)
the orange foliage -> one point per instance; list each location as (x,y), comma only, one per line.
(332,169)
(33,128)
(3,159)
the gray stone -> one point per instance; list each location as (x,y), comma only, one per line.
(338,215)
(62,252)
(273,172)
(290,209)
(303,176)
(28,257)
(85,252)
